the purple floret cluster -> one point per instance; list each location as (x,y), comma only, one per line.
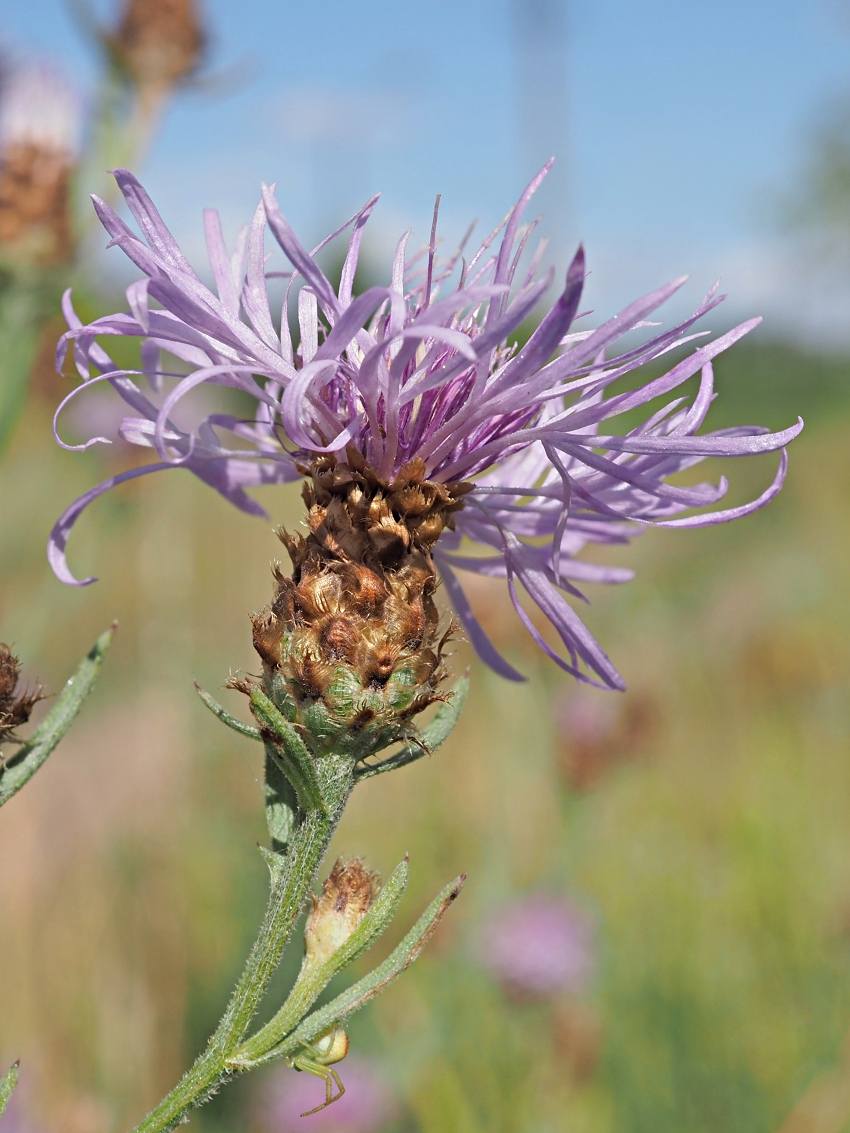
(539,945)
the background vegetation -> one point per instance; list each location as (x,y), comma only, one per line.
(704,820)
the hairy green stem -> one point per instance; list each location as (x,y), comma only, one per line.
(292,875)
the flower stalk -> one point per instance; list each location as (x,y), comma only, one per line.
(292,875)
(293,869)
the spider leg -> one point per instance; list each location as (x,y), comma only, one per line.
(331,1079)
(338,1082)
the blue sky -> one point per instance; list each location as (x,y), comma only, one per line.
(678,125)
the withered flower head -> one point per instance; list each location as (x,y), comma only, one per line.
(159,43)
(346,898)
(15,706)
(423,426)
(39,128)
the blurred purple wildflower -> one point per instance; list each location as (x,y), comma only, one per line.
(585,717)
(538,945)
(39,108)
(365,1107)
(421,368)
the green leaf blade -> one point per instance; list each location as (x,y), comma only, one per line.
(7,1084)
(52,729)
(360,993)
(222,714)
(281,803)
(313,981)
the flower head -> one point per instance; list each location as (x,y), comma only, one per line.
(539,946)
(159,43)
(418,420)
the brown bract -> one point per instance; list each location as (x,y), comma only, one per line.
(15,706)
(346,898)
(159,42)
(372,520)
(35,207)
(361,590)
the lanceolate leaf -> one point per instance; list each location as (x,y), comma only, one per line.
(24,763)
(281,803)
(225,717)
(7,1084)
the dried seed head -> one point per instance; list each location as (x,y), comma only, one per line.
(159,42)
(346,898)
(15,706)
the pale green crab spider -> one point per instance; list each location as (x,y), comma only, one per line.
(318,1058)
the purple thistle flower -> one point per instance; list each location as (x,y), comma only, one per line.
(421,369)
(539,945)
(365,1107)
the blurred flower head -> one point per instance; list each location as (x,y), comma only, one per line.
(159,43)
(595,733)
(39,108)
(40,117)
(538,945)
(365,1107)
(416,396)
(583,717)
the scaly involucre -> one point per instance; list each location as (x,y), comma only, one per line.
(416,390)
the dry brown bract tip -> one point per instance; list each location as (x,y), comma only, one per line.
(347,895)
(15,706)
(356,514)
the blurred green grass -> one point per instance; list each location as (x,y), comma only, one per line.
(715,856)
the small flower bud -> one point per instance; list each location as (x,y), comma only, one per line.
(346,898)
